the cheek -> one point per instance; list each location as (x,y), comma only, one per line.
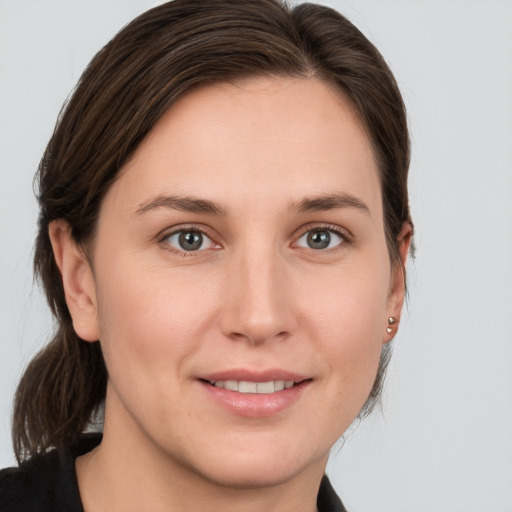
(350,302)
(150,318)
(346,316)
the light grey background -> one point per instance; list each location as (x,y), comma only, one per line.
(443,441)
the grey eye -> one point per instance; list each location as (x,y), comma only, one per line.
(319,239)
(189,240)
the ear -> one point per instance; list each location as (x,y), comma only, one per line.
(396,295)
(77,279)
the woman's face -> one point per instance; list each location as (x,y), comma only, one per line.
(243,248)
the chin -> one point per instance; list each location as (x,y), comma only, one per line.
(250,476)
(243,470)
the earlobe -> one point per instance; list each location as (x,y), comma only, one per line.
(77,279)
(397,292)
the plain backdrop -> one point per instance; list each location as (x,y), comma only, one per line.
(442,441)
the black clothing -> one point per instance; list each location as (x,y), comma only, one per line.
(327,499)
(48,483)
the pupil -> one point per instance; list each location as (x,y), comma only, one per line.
(190,240)
(319,239)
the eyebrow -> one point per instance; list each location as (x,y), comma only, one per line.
(328,202)
(182,203)
(307,204)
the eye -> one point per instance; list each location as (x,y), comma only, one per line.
(188,240)
(320,239)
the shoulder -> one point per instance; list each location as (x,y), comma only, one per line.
(45,483)
(30,486)
(328,500)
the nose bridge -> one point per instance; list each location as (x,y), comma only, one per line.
(257,306)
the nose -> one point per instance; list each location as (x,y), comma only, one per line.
(257,305)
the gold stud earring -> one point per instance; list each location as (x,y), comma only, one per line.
(391,321)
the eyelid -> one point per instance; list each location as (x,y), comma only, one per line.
(204,230)
(343,233)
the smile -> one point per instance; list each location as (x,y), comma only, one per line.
(243,386)
(255,396)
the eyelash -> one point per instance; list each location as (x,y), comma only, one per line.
(344,236)
(345,239)
(163,240)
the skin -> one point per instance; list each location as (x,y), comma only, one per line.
(255,297)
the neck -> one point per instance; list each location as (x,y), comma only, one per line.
(129,473)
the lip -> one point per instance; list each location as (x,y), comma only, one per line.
(255,375)
(252,405)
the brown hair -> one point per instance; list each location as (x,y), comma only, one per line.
(125,90)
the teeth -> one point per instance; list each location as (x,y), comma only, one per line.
(247,387)
(243,386)
(265,387)
(232,385)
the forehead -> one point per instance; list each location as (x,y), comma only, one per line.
(278,138)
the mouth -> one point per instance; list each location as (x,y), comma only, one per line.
(263,388)
(255,393)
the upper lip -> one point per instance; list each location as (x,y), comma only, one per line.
(247,375)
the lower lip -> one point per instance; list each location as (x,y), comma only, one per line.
(256,405)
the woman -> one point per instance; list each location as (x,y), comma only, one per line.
(223,233)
